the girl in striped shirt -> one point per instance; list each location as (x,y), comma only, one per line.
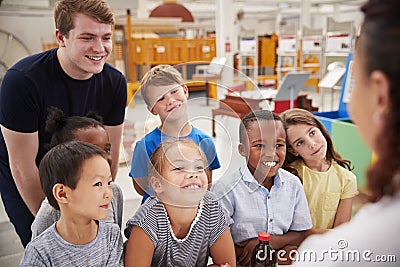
(183,224)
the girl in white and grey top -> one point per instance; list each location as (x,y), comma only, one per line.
(183,225)
(192,250)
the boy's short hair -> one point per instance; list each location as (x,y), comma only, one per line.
(62,165)
(65,10)
(160,75)
(256,115)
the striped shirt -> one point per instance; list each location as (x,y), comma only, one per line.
(194,249)
(50,249)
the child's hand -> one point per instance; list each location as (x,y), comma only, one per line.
(244,251)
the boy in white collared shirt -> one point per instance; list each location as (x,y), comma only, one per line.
(260,196)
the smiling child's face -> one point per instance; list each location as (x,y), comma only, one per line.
(184,181)
(265,149)
(168,101)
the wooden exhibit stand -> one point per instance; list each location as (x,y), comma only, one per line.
(208,78)
(210,73)
(234,106)
(287,96)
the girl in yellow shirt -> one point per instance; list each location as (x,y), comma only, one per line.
(328,181)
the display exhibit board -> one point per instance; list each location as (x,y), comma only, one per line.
(291,85)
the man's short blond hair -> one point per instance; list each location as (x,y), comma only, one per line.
(160,75)
(65,10)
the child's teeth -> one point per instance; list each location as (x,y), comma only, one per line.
(270,163)
(192,186)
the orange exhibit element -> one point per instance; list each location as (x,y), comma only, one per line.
(311,59)
(172,10)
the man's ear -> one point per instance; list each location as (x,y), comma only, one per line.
(60,38)
(60,193)
(156,184)
(242,148)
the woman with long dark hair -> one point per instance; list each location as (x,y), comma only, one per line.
(371,238)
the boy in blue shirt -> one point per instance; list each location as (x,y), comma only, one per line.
(165,94)
(260,196)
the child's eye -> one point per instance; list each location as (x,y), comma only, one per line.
(98,184)
(312,133)
(200,168)
(279,145)
(177,168)
(259,145)
(174,91)
(109,182)
(160,99)
(299,143)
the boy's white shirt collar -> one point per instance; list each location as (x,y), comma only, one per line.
(248,177)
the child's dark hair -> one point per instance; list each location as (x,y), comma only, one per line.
(301,116)
(64,129)
(62,164)
(255,115)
